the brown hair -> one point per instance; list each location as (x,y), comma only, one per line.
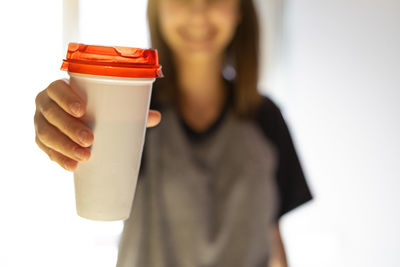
(242,54)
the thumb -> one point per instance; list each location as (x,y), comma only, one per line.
(153,118)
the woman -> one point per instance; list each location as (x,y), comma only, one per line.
(220,169)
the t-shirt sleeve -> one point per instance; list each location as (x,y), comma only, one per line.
(291,182)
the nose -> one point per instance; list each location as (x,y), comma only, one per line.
(198,10)
(198,5)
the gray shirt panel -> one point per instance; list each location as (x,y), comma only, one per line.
(206,204)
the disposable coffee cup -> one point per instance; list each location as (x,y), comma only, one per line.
(116,83)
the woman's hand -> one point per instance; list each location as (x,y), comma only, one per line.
(59,131)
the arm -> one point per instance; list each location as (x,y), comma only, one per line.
(278,255)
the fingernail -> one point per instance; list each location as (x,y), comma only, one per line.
(84,137)
(80,153)
(76,108)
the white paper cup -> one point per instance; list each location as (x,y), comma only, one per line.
(117,110)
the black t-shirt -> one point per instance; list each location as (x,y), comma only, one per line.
(290,179)
(206,197)
(292,185)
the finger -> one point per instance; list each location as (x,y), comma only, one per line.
(51,137)
(61,93)
(153,118)
(63,161)
(74,128)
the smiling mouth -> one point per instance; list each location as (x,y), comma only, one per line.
(197,36)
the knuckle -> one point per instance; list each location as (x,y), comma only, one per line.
(68,164)
(49,152)
(50,89)
(53,88)
(39,144)
(58,92)
(47,109)
(35,118)
(43,133)
(51,155)
(37,141)
(39,97)
(71,147)
(70,127)
(65,146)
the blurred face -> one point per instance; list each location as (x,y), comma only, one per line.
(198,28)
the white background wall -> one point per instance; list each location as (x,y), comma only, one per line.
(336,77)
(339,88)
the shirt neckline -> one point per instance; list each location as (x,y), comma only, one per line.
(196,136)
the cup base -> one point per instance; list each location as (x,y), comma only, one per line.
(98,217)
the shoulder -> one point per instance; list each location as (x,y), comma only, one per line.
(269,118)
(267,104)
(293,188)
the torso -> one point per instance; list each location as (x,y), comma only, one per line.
(208,203)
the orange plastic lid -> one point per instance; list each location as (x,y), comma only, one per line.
(112,61)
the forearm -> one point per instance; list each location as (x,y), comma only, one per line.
(278,255)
